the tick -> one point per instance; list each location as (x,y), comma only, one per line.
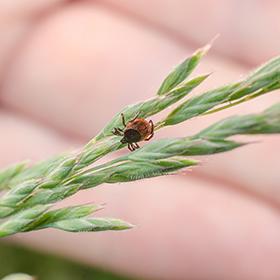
(136,130)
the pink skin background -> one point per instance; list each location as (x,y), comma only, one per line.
(66,67)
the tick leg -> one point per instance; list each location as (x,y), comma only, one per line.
(152,126)
(152,131)
(130,147)
(117,132)
(123,120)
(149,137)
(136,145)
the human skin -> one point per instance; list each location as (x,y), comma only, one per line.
(67,68)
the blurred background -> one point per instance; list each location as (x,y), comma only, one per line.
(66,67)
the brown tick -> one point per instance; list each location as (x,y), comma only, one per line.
(134,131)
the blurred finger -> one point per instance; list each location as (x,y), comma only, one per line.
(247,28)
(18,18)
(85,63)
(26,140)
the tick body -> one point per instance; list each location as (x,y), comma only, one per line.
(134,131)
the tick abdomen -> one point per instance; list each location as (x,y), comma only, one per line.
(140,125)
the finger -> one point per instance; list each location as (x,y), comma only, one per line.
(77,79)
(15,9)
(23,140)
(78,89)
(247,28)
(18,19)
(185,229)
(82,66)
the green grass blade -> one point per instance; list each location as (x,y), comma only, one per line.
(263,80)
(182,71)
(8,174)
(91,224)
(267,122)
(150,107)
